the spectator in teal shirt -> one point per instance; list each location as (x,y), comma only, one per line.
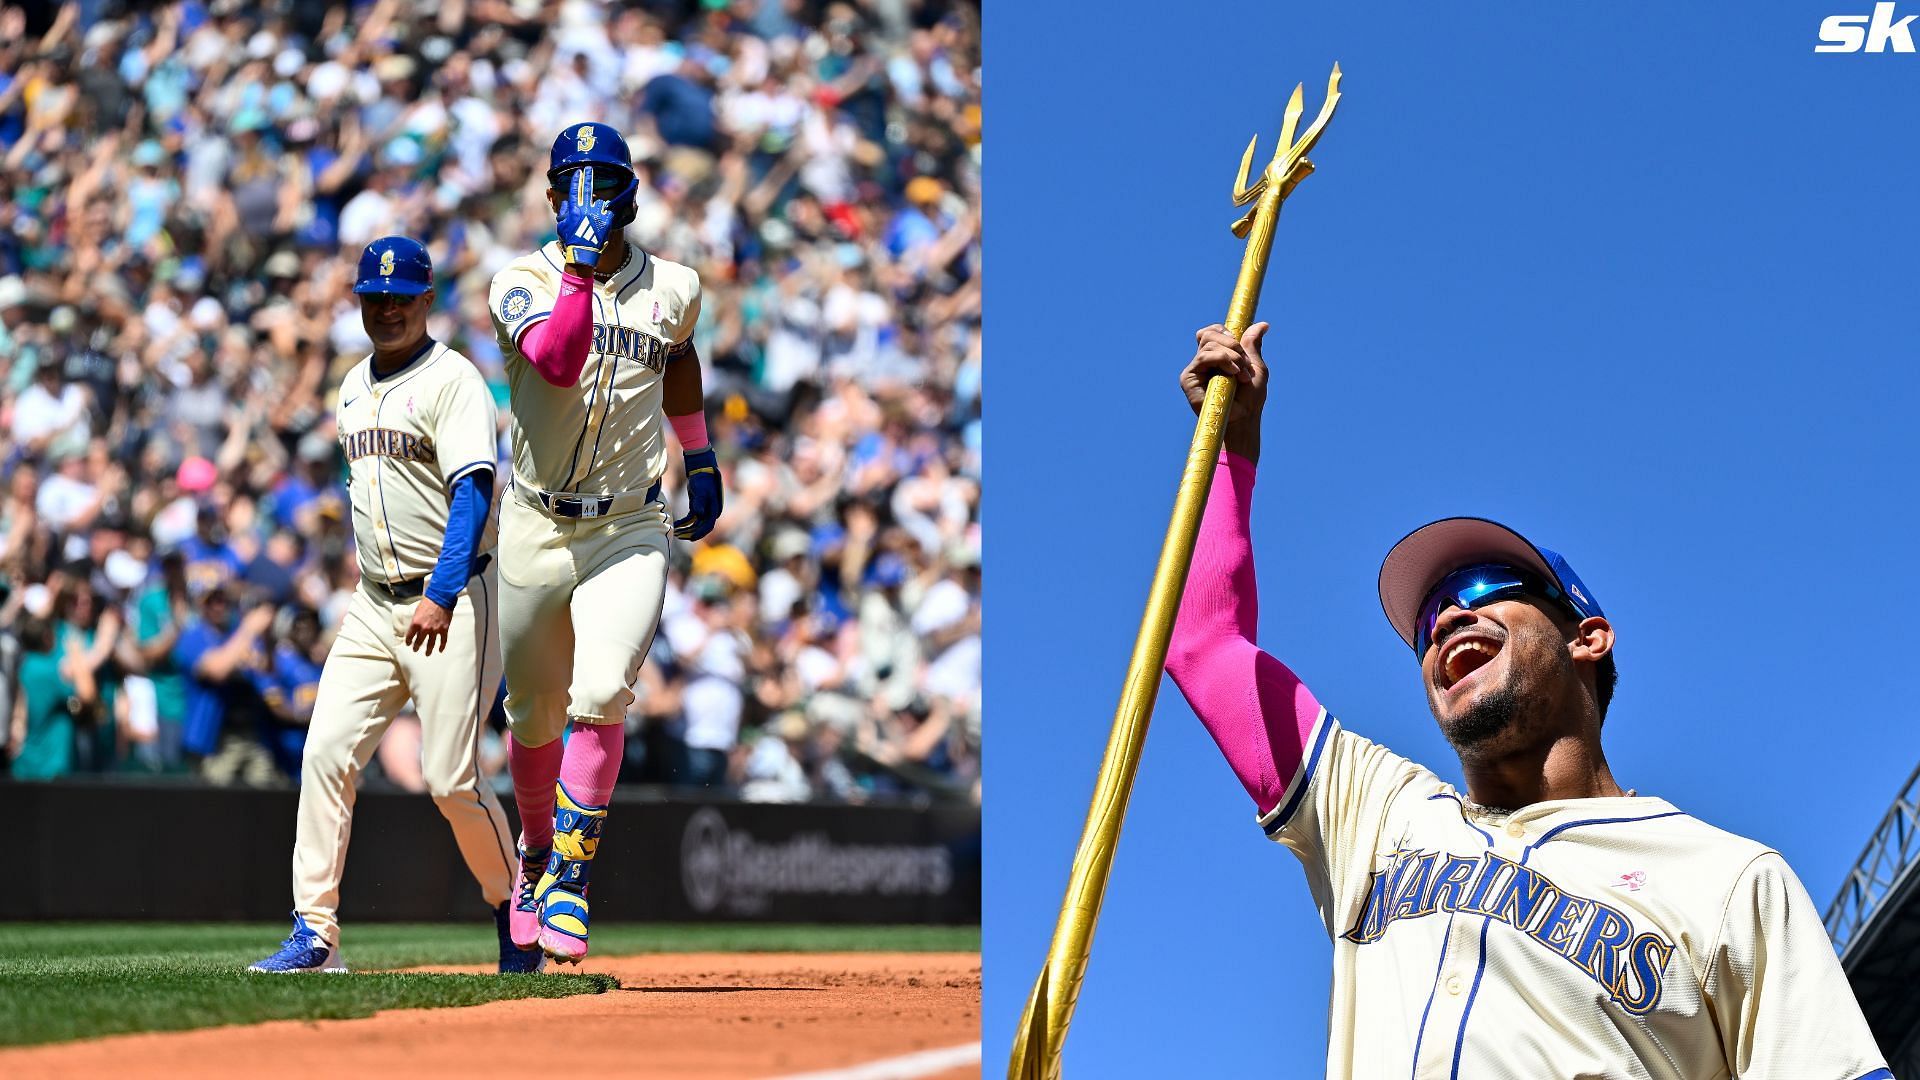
(159,615)
(43,719)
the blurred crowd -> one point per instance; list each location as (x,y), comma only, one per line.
(184,188)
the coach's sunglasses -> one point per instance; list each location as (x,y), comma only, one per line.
(1472,587)
(387,300)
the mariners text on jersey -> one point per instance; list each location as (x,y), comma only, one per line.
(386,442)
(1597,938)
(632,344)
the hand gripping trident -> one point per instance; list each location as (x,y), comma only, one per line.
(1043,1027)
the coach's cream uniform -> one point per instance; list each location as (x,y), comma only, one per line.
(407,438)
(1582,938)
(581,597)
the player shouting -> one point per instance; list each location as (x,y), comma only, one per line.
(1545,922)
(598,336)
(416,422)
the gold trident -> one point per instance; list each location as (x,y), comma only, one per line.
(1043,1026)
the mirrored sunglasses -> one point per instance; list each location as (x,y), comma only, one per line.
(1473,587)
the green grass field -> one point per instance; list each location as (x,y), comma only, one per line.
(61,981)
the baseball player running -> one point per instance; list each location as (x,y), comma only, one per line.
(416,422)
(598,336)
(1544,922)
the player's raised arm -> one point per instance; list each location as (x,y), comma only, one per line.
(557,348)
(1212,656)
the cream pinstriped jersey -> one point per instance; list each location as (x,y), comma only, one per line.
(602,436)
(407,438)
(1582,938)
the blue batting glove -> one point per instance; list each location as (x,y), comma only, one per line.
(585,222)
(703,496)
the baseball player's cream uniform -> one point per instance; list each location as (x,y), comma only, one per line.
(407,438)
(584,533)
(1613,937)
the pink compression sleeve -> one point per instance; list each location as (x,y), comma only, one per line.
(691,430)
(557,346)
(593,762)
(1258,711)
(534,768)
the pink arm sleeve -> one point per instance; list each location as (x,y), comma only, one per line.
(557,346)
(1258,711)
(691,430)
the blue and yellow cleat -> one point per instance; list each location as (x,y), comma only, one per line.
(563,925)
(562,891)
(304,950)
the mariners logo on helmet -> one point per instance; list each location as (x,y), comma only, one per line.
(583,139)
(514,305)
(395,266)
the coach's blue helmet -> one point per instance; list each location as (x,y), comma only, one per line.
(602,147)
(394,264)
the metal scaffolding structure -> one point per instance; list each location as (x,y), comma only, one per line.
(1875,924)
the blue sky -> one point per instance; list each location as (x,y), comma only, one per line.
(1635,279)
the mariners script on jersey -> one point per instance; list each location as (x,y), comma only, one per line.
(583,438)
(1613,937)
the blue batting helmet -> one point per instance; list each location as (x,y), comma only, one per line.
(602,147)
(394,264)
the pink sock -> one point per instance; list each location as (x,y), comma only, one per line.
(534,770)
(593,763)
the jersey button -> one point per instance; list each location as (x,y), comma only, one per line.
(1516,831)
(1453,985)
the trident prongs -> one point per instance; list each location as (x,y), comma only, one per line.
(1242,194)
(1290,121)
(1289,165)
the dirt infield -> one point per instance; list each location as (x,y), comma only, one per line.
(708,1015)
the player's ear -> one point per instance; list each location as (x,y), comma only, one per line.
(1592,640)
(427,298)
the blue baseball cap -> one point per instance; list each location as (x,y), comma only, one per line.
(1429,553)
(600,146)
(396,265)
(590,143)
